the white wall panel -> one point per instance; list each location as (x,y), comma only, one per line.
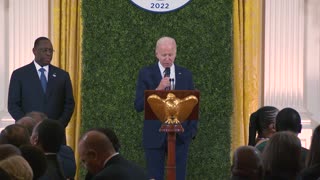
(22,21)
(284,40)
(292,61)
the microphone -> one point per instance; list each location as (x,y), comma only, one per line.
(172,87)
(167,74)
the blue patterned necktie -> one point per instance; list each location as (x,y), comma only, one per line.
(43,79)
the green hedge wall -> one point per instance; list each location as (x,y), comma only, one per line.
(119,39)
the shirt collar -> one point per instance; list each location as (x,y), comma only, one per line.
(106,161)
(38,66)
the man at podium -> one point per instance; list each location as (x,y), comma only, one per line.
(164,75)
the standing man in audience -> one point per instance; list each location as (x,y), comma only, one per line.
(99,157)
(40,86)
(155,142)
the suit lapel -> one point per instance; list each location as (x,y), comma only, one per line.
(34,78)
(156,74)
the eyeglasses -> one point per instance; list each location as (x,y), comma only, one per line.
(46,50)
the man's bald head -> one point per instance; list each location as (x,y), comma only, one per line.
(27,122)
(37,116)
(98,141)
(94,148)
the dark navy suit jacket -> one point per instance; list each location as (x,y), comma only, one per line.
(118,168)
(54,170)
(67,161)
(149,79)
(26,94)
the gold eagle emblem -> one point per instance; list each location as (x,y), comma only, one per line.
(172,110)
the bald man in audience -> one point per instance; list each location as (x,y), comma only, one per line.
(247,164)
(37,116)
(114,140)
(99,157)
(27,122)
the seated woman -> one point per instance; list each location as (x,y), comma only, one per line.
(262,122)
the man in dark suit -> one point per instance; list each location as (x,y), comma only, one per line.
(40,86)
(155,142)
(48,135)
(113,139)
(99,157)
(65,154)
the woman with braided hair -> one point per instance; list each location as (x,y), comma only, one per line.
(262,124)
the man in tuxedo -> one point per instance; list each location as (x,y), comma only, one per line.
(40,86)
(99,157)
(155,142)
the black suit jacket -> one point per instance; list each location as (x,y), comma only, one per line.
(67,161)
(118,168)
(311,173)
(26,94)
(54,171)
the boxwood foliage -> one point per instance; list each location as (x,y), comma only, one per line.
(119,38)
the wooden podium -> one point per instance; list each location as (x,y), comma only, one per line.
(171,129)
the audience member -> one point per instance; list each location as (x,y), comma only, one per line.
(27,122)
(247,164)
(15,134)
(312,170)
(262,122)
(281,156)
(100,158)
(48,135)
(36,159)
(65,154)
(17,167)
(7,150)
(37,116)
(114,140)
(288,119)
